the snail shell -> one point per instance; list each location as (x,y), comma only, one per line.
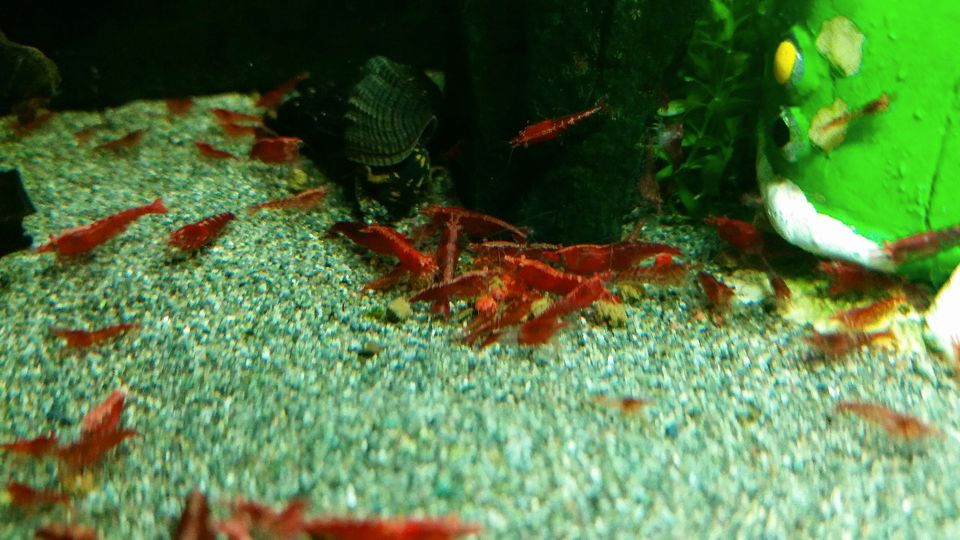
(390,112)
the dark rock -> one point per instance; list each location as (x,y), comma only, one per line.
(317,116)
(14,206)
(25,73)
(121,51)
(546,58)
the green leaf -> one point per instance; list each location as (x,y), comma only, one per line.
(688,200)
(665,172)
(725,16)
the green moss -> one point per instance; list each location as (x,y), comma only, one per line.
(399,309)
(613,315)
(378,313)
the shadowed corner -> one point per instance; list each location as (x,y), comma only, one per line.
(14,206)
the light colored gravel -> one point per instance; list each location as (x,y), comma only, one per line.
(247,380)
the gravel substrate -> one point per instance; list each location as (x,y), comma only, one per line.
(249,377)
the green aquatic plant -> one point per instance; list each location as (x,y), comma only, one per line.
(718,84)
